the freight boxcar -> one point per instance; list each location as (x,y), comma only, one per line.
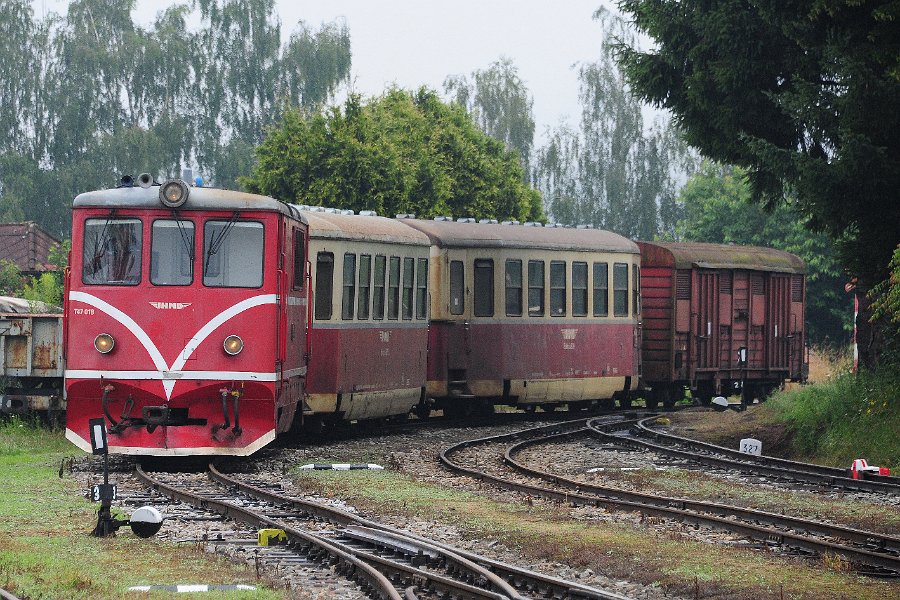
(530,316)
(721,319)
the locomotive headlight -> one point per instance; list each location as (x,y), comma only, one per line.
(104,343)
(233,345)
(173,193)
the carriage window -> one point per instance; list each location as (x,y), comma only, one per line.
(365,283)
(378,298)
(620,290)
(484,288)
(394,287)
(172,252)
(579,289)
(601,289)
(233,253)
(324,285)
(112,252)
(636,286)
(299,260)
(514,288)
(422,288)
(536,288)
(348,300)
(407,300)
(557,288)
(457,286)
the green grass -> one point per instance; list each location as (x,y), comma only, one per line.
(45,550)
(846,417)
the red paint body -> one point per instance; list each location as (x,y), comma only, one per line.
(703,303)
(172,335)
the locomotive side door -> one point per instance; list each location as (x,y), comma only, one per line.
(293,335)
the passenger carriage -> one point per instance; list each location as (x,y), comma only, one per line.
(530,316)
(369,330)
(721,319)
(185,319)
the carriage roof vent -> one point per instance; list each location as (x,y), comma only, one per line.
(316,209)
(368,213)
(331,211)
(443,218)
(532,224)
(346,211)
(303,207)
(465,220)
(584,226)
(510,223)
(488,221)
(406,216)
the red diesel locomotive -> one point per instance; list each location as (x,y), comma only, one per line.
(186,317)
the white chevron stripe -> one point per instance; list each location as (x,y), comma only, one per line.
(162,367)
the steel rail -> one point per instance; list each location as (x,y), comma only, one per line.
(520,577)
(888,562)
(341,552)
(4,595)
(764,465)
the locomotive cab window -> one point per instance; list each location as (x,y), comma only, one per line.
(457,286)
(233,253)
(112,252)
(484,288)
(601,289)
(536,288)
(172,252)
(324,285)
(620,290)
(348,299)
(514,288)
(557,288)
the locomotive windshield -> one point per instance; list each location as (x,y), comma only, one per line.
(172,252)
(233,253)
(111,252)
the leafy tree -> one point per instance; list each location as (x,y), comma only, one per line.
(804,95)
(500,104)
(613,172)
(400,153)
(44,293)
(718,209)
(11,282)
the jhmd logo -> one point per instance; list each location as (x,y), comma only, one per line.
(170,305)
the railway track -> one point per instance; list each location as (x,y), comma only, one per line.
(720,457)
(385,562)
(868,552)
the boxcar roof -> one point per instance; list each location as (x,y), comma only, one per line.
(199,199)
(685,255)
(451,234)
(358,227)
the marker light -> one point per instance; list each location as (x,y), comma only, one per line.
(104,343)
(233,345)
(173,193)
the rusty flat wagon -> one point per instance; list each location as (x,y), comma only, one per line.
(720,319)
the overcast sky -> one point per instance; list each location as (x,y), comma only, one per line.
(421,42)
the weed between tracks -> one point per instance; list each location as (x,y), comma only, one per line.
(45,551)
(542,531)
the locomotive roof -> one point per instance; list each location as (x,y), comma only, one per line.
(685,255)
(360,227)
(451,234)
(199,199)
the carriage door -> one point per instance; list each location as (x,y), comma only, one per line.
(707,298)
(778,326)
